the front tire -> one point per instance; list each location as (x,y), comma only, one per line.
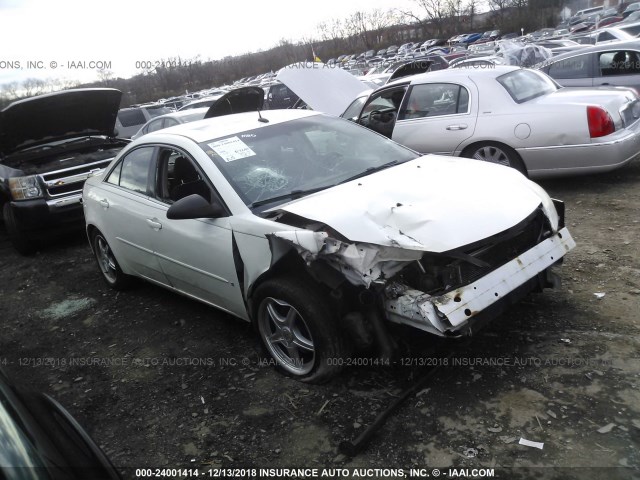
(20,241)
(111,271)
(494,152)
(298,329)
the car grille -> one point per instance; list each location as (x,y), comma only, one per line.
(437,274)
(70,180)
(497,252)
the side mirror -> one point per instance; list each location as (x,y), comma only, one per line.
(195,206)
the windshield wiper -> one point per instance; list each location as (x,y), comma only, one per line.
(371,170)
(293,194)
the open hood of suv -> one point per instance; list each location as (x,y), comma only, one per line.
(58,116)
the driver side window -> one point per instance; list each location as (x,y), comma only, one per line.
(178,177)
(379,114)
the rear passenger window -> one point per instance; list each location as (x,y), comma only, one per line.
(129,118)
(114,176)
(604,36)
(155,125)
(574,67)
(435,99)
(132,172)
(619,62)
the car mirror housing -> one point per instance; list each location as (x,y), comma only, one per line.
(195,206)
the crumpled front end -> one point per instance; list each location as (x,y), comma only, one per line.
(444,292)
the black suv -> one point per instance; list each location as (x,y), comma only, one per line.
(49,145)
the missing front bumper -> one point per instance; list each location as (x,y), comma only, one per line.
(454,312)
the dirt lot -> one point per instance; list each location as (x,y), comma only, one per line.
(178,384)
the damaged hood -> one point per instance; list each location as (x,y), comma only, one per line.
(433,203)
(324,88)
(58,116)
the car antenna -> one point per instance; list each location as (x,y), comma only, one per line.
(261,118)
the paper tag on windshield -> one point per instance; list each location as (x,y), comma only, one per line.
(231,149)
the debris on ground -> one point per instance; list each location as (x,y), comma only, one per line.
(529,443)
(607,428)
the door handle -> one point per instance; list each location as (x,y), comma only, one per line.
(104,202)
(461,126)
(605,83)
(153,223)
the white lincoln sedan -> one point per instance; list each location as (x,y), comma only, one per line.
(320,231)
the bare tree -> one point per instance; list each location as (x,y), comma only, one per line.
(10,90)
(432,13)
(470,10)
(499,7)
(104,76)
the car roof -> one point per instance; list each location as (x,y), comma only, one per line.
(182,113)
(202,130)
(451,74)
(596,48)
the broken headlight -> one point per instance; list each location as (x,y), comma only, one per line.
(434,275)
(25,188)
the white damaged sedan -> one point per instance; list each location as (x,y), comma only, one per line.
(320,231)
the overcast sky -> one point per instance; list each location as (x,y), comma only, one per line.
(123,32)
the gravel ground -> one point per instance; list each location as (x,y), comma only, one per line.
(162,381)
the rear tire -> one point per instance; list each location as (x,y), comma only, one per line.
(20,241)
(298,329)
(109,267)
(498,153)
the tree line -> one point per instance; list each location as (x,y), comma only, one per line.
(360,31)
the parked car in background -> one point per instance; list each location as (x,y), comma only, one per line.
(632,18)
(611,64)
(39,439)
(609,21)
(404,68)
(392,50)
(470,38)
(170,120)
(278,95)
(631,8)
(477,62)
(200,103)
(581,14)
(131,119)
(503,115)
(238,100)
(49,145)
(318,230)
(508,115)
(630,28)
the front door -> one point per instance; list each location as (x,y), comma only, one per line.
(196,255)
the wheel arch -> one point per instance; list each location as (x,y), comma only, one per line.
(90,230)
(289,265)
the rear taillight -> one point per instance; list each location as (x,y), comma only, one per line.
(600,122)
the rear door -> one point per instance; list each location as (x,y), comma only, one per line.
(124,197)
(437,117)
(619,67)
(577,71)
